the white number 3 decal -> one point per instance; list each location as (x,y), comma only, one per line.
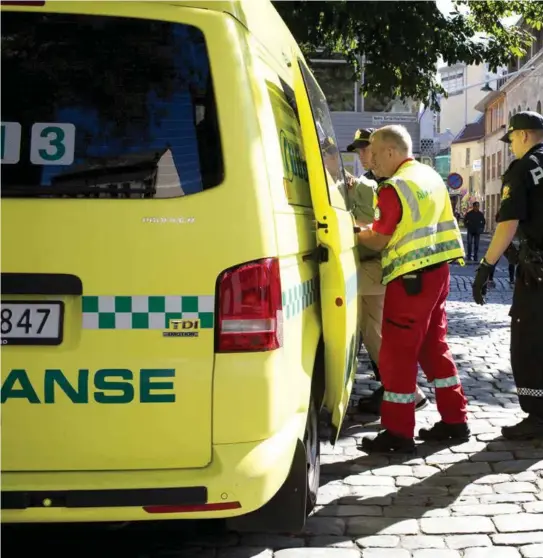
(52,144)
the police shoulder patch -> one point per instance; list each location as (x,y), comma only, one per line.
(506,192)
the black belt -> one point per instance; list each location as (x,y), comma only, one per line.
(435,266)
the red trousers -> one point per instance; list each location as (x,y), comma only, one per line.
(414,331)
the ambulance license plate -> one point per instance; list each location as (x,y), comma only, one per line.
(31,323)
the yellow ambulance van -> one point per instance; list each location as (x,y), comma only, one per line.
(179,274)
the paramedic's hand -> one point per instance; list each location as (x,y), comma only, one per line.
(480,283)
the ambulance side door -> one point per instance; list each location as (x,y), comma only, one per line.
(336,240)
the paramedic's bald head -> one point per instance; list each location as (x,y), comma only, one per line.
(390,146)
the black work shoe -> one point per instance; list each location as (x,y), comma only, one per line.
(386,442)
(421,404)
(528,429)
(441,432)
(372,405)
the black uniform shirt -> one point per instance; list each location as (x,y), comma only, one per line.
(522,195)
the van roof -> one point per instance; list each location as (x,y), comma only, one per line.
(259,17)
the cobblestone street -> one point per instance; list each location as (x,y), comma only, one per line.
(481,499)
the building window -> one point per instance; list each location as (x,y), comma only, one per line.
(538,108)
(499,164)
(471,185)
(488,167)
(453,81)
(468,155)
(494,165)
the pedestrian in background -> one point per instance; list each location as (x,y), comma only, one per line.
(475,222)
(415,228)
(521,210)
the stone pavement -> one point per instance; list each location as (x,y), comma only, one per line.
(480,499)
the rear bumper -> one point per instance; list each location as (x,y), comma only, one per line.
(248,473)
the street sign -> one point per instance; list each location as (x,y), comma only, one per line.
(476,166)
(426,161)
(394,118)
(454,181)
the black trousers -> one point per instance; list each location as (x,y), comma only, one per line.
(527,345)
(473,244)
(511,270)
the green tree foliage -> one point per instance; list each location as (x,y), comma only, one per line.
(403,41)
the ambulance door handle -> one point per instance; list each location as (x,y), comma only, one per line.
(322,225)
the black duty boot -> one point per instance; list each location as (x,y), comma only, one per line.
(528,429)
(386,442)
(441,432)
(371,405)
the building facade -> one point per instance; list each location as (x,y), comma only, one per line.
(466,160)
(458,109)
(521,92)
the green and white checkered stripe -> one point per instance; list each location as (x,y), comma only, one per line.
(146,312)
(299,297)
(398,397)
(447,382)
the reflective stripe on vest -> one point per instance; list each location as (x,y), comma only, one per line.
(421,253)
(427,233)
(410,198)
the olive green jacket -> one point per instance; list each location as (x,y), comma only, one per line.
(362,200)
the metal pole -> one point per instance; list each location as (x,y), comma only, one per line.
(466,97)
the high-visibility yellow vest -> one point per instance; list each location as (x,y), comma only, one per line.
(427,233)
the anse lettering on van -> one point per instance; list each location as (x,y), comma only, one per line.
(105,386)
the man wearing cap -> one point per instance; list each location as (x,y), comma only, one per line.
(363,198)
(522,209)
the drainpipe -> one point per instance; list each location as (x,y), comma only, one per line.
(483,166)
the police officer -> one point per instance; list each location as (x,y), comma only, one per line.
(415,228)
(362,198)
(522,209)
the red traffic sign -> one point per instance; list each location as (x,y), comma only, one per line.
(454,181)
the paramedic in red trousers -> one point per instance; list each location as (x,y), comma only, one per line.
(415,228)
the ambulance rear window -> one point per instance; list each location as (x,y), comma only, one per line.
(106,107)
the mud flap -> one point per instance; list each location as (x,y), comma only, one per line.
(286,511)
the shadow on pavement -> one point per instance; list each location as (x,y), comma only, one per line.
(366,515)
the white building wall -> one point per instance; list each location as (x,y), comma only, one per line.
(525,92)
(453,109)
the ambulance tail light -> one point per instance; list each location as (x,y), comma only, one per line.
(250,308)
